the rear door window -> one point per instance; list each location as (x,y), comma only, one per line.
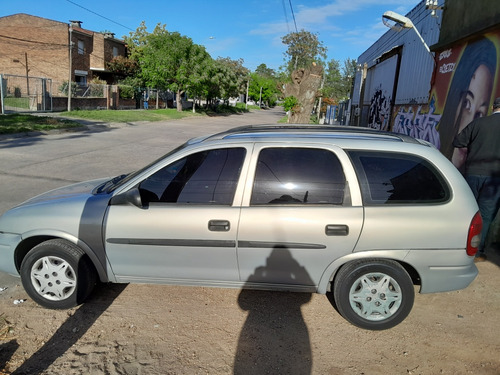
(288,175)
(396,178)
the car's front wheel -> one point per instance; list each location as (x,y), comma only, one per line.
(56,274)
(374,294)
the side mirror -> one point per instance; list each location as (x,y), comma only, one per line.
(132,196)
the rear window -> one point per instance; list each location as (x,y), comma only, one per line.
(394,178)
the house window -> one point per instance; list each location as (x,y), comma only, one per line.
(81,80)
(81,47)
(115,51)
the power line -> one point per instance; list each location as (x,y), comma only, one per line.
(99,15)
(293,15)
(286,16)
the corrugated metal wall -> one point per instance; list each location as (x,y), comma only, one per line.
(414,80)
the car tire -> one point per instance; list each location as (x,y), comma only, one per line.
(373,294)
(57,274)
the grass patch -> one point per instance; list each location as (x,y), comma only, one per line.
(135,115)
(17,102)
(22,123)
(132,115)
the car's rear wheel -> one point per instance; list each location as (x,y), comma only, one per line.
(57,274)
(374,294)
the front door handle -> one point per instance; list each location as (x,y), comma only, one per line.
(219,225)
(337,230)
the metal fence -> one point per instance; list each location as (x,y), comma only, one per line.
(34,94)
(25,94)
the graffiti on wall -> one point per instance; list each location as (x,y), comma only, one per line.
(380,110)
(418,121)
(466,81)
(465,85)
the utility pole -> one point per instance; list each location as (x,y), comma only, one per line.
(27,76)
(246,98)
(70,66)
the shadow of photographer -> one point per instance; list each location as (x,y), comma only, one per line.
(274,338)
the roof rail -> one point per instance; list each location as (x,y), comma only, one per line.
(303,128)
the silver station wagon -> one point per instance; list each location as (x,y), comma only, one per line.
(362,214)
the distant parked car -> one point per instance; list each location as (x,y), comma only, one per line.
(363,214)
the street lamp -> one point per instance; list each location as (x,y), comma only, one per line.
(402,22)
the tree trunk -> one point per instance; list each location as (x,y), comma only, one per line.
(304,86)
(179,100)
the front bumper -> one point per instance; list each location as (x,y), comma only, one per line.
(8,244)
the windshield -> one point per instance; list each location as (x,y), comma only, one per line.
(120,180)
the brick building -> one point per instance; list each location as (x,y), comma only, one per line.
(39,47)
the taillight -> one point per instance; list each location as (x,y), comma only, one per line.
(474,237)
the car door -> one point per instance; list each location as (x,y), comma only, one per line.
(297,216)
(186,226)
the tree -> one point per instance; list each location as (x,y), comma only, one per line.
(122,67)
(338,81)
(304,48)
(349,72)
(262,88)
(167,60)
(333,80)
(236,78)
(304,87)
(264,71)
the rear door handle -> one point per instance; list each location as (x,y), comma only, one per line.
(337,230)
(219,225)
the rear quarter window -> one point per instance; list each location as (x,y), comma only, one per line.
(397,178)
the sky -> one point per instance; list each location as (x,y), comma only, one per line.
(250,30)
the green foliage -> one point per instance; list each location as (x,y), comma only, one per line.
(338,80)
(268,86)
(264,71)
(289,103)
(304,48)
(168,60)
(236,79)
(63,88)
(130,87)
(123,66)
(127,92)
(97,88)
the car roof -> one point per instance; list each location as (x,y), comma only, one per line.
(288,131)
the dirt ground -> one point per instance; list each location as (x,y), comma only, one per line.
(153,329)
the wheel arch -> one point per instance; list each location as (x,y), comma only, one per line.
(328,277)
(30,240)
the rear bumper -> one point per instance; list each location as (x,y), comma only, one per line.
(444,270)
